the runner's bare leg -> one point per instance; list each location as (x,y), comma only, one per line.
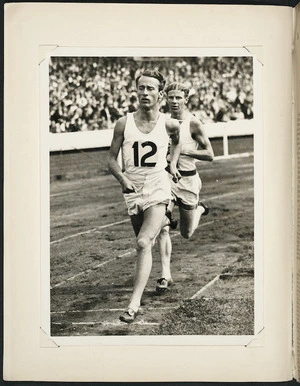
(152,222)
(165,250)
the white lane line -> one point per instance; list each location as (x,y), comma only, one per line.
(140,323)
(246,166)
(209,284)
(92,269)
(203,224)
(82,273)
(228,194)
(132,251)
(129,252)
(125,254)
(71,236)
(109,310)
(113,324)
(127,220)
(89,231)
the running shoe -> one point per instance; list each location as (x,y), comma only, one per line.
(163,284)
(173,223)
(129,316)
(206,209)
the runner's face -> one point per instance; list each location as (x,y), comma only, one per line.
(148,91)
(176,100)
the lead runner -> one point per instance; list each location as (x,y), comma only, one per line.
(144,136)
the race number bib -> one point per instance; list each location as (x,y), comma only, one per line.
(144,154)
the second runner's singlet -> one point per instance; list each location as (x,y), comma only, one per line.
(187,143)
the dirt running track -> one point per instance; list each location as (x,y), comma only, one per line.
(93,252)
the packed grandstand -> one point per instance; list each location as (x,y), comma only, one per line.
(91,93)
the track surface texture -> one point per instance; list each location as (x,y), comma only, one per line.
(92,254)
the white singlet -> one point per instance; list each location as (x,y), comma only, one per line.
(187,143)
(187,190)
(144,157)
(144,154)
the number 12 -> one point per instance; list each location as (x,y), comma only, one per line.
(151,152)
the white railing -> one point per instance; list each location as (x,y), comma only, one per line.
(102,138)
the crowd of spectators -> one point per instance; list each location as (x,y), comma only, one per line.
(91,93)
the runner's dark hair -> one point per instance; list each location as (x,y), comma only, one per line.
(153,74)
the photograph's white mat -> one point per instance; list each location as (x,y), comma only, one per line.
(33,31)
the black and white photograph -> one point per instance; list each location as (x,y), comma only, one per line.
(150,193)
(151,200)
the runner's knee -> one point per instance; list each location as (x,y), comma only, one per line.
(163,233)
(143,242)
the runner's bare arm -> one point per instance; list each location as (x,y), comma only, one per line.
(118,138)
(205,151)
(173,129)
